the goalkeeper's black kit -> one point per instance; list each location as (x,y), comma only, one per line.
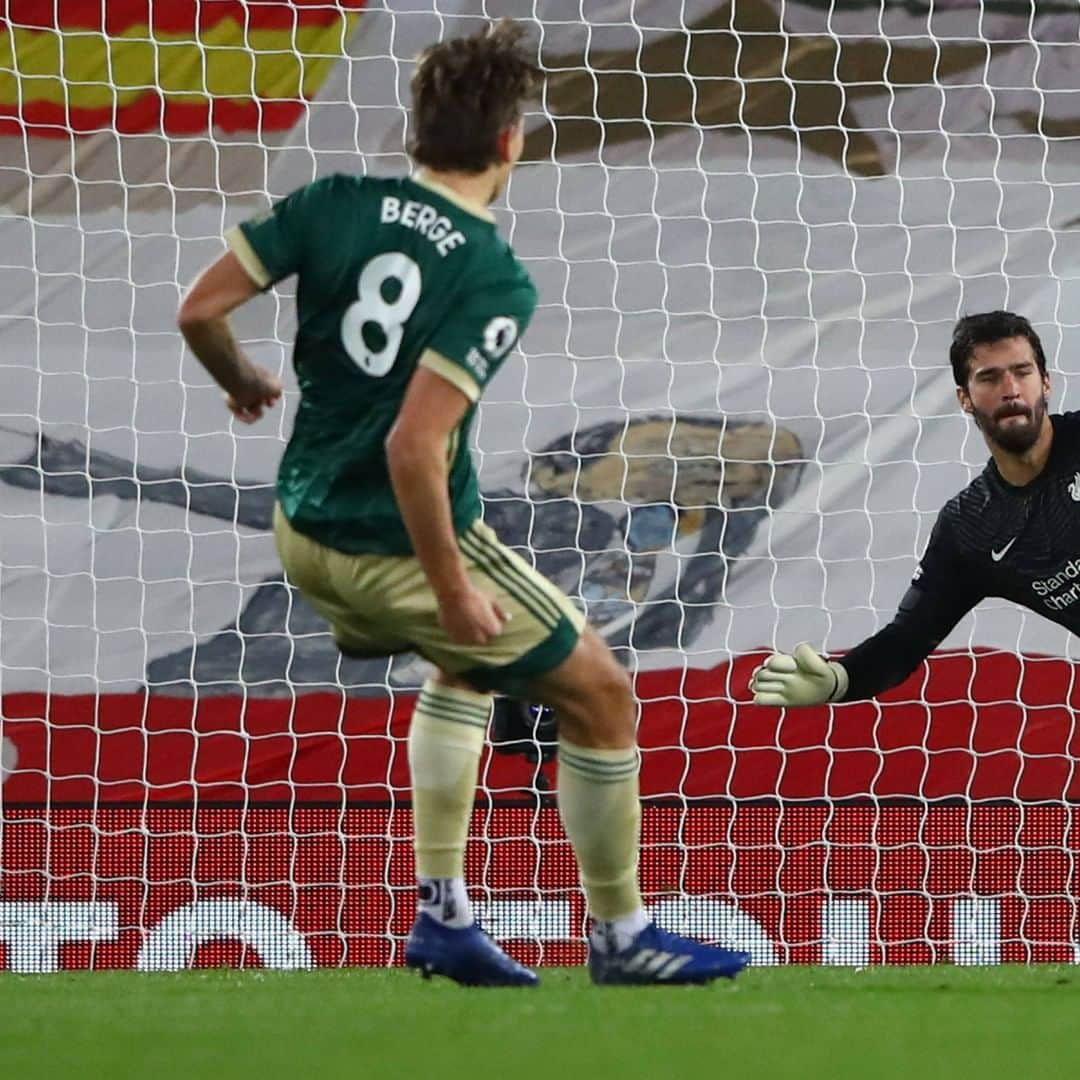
(993,539)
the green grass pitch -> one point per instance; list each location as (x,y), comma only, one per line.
(915,1023)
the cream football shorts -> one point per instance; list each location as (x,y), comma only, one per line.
(382,604)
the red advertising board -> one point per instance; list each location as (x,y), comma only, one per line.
(161,889)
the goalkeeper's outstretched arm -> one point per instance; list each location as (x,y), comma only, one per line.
(922,621)
(926,614)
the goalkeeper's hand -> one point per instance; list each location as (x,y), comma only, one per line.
(804,677)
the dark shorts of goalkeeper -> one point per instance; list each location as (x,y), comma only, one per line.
(378,605)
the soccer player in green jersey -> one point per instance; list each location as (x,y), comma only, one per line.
(408,301)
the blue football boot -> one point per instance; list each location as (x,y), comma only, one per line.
(468,956)
(657,958)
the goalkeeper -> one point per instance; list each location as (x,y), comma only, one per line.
(407,302)
(1014,532)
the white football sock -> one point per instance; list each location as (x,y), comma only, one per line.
(446,900)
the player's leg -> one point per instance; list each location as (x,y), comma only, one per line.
(598,781)
(361,596)
(546,654)
(599,804)
(446,737)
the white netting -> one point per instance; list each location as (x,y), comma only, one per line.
(730,427)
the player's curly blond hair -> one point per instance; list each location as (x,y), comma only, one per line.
(465,92)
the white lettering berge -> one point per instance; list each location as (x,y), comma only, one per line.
(425,220)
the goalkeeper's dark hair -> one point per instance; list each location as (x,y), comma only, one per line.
(984,329)
(465,92)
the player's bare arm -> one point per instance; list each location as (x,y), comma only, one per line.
(203,320)
(417,453)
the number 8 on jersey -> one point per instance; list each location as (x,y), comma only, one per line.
(372,326)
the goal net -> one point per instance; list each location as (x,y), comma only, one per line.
(752,224)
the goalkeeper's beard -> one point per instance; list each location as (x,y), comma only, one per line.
(1013,437)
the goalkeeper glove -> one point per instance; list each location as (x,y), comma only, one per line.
(804,677)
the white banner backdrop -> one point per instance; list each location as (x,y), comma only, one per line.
(722,291)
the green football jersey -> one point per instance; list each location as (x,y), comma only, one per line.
(391,274)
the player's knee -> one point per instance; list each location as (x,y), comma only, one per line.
(617,688)
(604,713)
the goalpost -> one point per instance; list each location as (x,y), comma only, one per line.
(752,224)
